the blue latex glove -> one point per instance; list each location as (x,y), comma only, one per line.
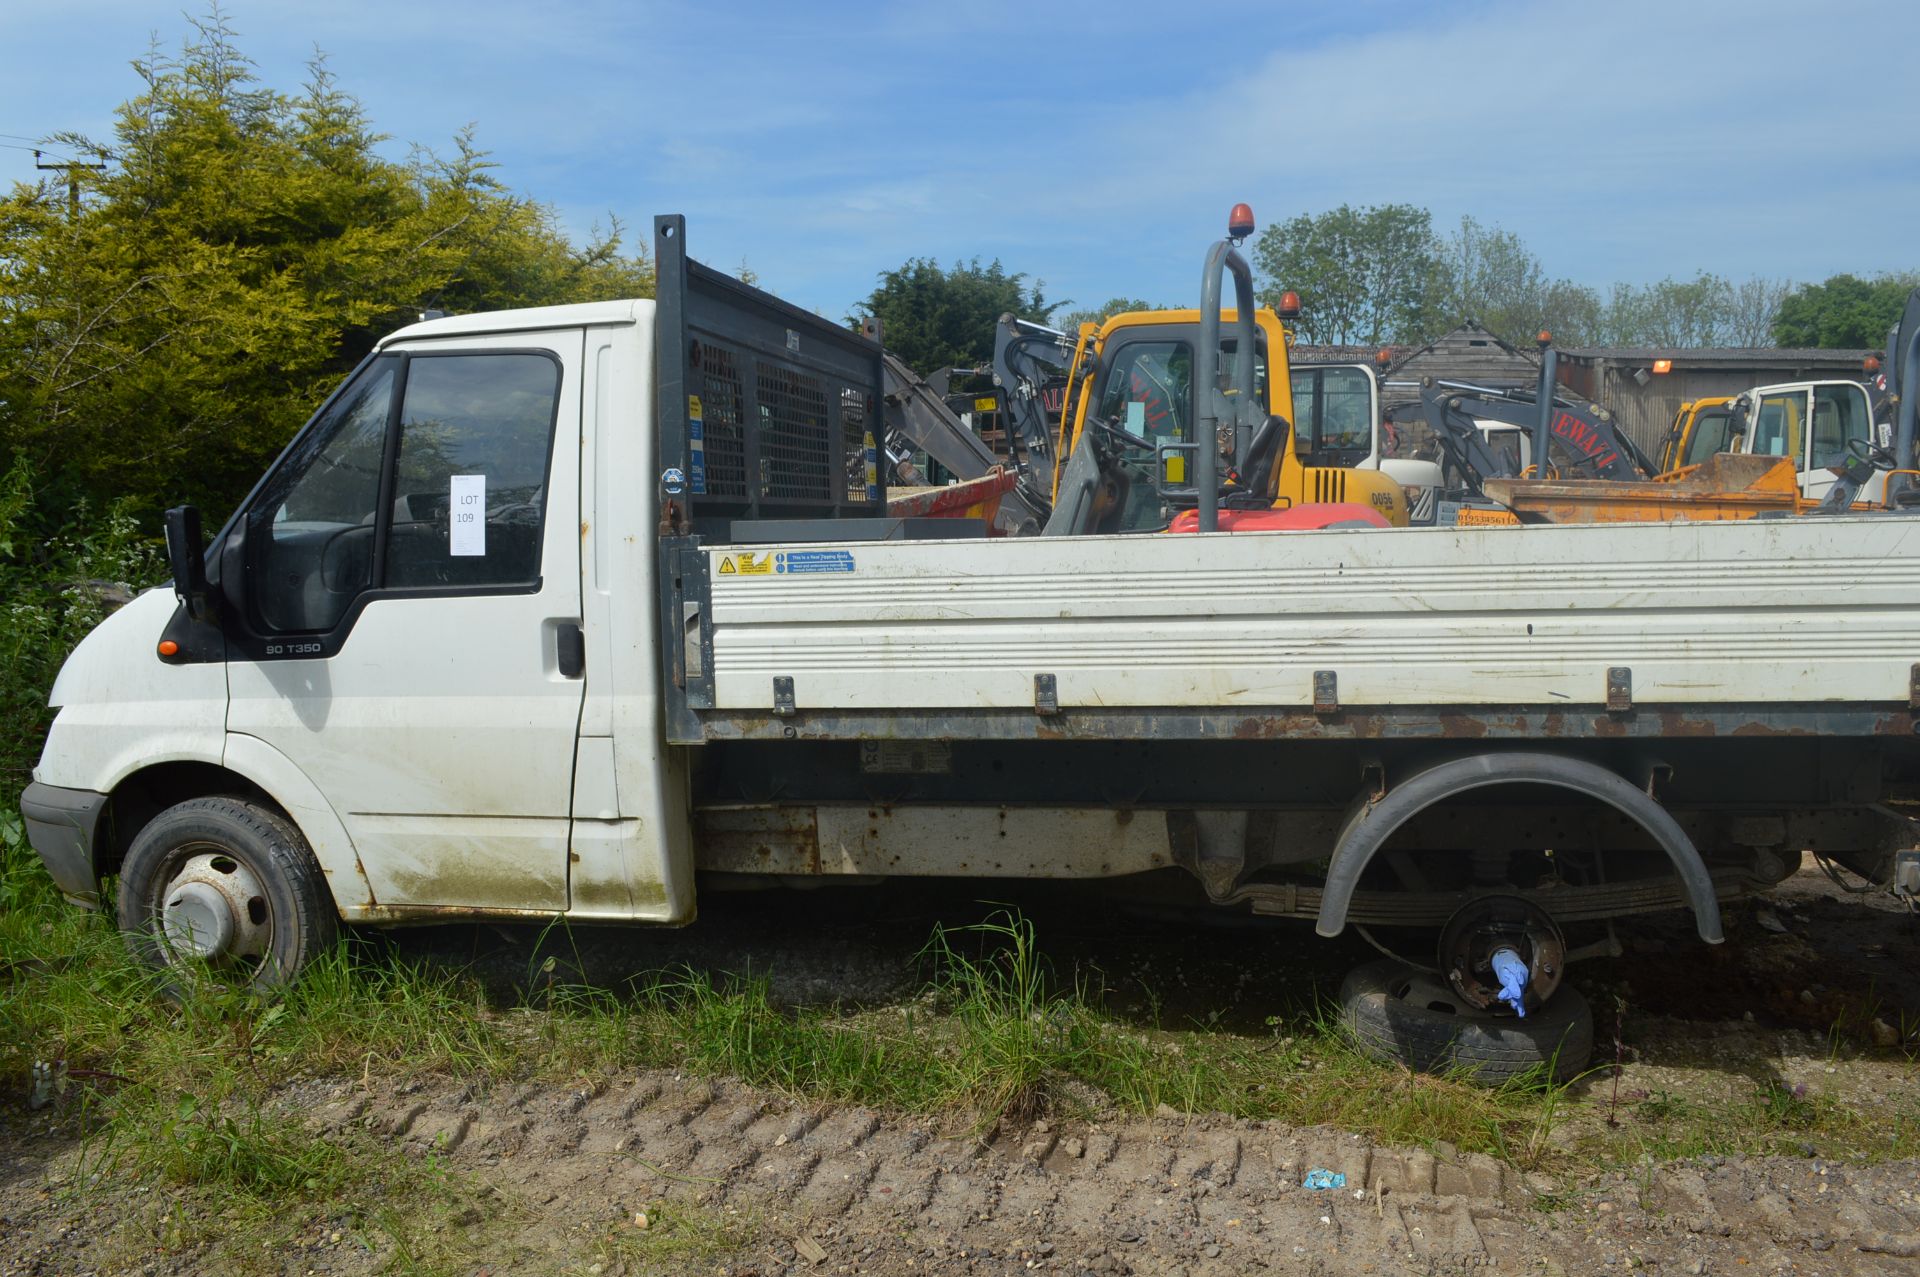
(1513,976)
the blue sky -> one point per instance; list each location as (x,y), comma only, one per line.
(1099,146)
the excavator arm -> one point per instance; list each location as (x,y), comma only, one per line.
(1588,437)
(1026,357)
(917,417)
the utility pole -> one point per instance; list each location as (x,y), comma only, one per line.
(72,168)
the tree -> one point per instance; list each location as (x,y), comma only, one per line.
(933,318)
(1489,275)
(1070,322)
(1363,275)
(242,250)
(1677,313)
(1845,312)
(1754,307)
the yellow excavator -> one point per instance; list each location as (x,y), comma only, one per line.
(1136,370)
(1134,378)
(1701,429)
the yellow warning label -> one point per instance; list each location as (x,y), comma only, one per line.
(746,564)
(693,407)
(986,403)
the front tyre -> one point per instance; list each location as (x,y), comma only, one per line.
(225,887)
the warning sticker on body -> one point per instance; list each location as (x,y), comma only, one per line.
(784,563)
(697,445)
(802,562)
(746,563)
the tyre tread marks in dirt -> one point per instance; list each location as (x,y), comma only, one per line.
(1493,1050)
(305,919)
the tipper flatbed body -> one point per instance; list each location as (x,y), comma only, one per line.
(679,634)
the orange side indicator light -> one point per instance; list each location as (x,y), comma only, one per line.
(169,648)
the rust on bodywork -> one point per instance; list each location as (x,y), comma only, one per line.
(774,839)
(1768,729)
(1409,723)
(1675,722)
(452,913)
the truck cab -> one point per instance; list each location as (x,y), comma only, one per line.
(1822,425)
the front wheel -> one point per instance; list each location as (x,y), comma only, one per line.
(1402,1015)
(224,886)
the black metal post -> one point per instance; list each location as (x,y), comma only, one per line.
(1209,402)
(1543,427)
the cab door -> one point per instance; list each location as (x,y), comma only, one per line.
(1336,416)
(411,606)
(1776,422)
(1840,414)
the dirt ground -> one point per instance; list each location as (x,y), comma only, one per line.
(1806,985)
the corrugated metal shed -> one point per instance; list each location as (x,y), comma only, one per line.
(1646,403)
(1468,353)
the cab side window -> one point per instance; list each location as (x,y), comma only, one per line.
(1712,433)
(426,472)
(1333,412)
(1839,414)
(1776,431)
(1149,390)
(312,542)
(469,493)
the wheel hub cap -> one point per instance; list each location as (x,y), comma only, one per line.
(215,907)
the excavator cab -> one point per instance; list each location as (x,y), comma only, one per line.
(1131,385)
(1702,428)
(1140,400)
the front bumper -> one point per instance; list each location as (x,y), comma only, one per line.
(61,825)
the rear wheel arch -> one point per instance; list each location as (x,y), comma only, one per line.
(1375,818)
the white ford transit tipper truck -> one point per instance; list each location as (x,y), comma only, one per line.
(554,613)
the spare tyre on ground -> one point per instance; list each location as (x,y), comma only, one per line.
(1403,1015)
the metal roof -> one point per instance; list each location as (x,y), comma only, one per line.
(530,319)
(1716,355)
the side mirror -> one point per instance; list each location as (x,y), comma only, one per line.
(187,556)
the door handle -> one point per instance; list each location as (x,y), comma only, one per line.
(570,649)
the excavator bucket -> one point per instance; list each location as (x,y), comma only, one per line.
(1726,486)
(975,499)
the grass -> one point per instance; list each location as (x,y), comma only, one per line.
(184,1095)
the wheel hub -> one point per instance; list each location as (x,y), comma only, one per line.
(215,907)
(1485,927)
